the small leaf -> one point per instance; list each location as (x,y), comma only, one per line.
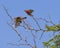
(53,28)
(53,46)
(46,43)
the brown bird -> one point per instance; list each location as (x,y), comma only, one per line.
(18,21)
(29,12)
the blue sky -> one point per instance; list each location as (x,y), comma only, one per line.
(16,8)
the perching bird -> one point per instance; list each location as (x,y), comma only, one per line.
(18,20)
(29,12)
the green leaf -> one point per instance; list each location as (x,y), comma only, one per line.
(53,28)
(53,46)
(46,43)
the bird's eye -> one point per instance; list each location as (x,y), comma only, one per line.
(25,17)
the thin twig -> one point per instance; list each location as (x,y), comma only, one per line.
(50,20)
(15,30)
(36,22)
(38,26)
(31,33)
(6,10)
(28,27)
(51,23)
(41,35)
(20,44)
(34,39)
(19,35)
(47,20)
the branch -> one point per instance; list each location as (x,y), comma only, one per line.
(19,35)
(31,33)
(47,20)
(15,30)
(34,37)
(36,22)
(7,12)
(20,44)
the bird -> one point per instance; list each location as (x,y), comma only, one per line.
(18,21)
(29,12)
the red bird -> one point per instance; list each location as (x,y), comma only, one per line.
(29,12)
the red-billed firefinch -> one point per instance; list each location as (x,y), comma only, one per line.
(29,12)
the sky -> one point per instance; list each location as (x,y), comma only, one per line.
(42,8)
